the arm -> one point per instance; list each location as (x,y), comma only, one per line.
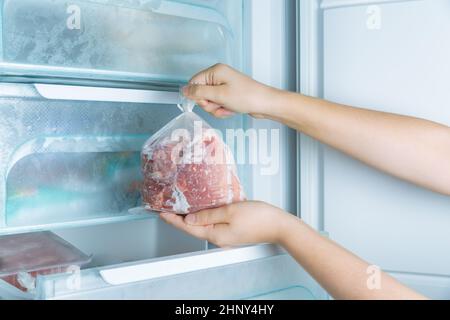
(412,149)
(340,272)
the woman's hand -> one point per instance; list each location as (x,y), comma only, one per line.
(222,91)
(237,224)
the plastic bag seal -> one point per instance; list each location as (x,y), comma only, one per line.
(185,104)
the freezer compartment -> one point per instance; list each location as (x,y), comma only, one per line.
(159,41)
(110,245)
(67,163)
(246,278)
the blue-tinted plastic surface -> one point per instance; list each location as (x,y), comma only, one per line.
(158,41)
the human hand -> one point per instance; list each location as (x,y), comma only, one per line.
(237,224)
(222,91)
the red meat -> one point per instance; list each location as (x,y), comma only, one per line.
(38,253)
(176,181)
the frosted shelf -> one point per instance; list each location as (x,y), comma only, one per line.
(125,41)
(131,215)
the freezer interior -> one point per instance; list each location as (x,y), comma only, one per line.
(74,167)
(83,86)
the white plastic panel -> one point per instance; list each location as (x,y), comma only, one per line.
(389,56)
(130,273)
(245,280)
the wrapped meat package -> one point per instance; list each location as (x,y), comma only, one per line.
(25,256)
(187,167)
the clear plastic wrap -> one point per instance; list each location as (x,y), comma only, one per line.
(25,256)
(187,167)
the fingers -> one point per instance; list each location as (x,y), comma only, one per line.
(208,106)
(213,76)
(198,92)
(209,89)
(208,217)
(208,84)
(215,109)
(223,113)
(179,223)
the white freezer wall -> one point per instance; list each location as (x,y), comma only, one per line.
(389,56)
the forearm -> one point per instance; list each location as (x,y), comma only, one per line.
(412,149)
(341,273)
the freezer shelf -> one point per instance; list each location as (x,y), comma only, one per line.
(291,293)
(159,41)
(276,277)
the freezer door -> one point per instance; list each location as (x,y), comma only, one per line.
(389,56)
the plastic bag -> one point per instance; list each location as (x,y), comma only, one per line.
(25,256)
(187,167)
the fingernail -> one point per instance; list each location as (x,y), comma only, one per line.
(191,218)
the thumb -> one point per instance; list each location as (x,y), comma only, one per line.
(208,217)
(198,92)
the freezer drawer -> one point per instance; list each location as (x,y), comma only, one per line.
(159,41)
(273,277)
(68,162)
